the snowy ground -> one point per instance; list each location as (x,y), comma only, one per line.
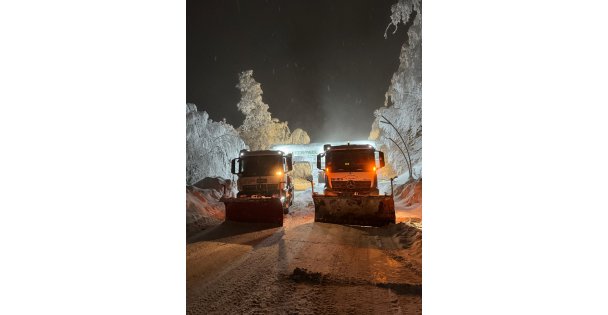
(304,267)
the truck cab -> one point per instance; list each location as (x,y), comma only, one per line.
(350,169)
(264,174)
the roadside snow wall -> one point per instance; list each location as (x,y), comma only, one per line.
(210,146)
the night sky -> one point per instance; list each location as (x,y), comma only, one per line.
(324,66)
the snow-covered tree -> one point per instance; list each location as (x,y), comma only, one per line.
(259,130)
(403,99)
(210,146)
(299,136)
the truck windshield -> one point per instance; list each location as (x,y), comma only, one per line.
(350,160)
(261,165)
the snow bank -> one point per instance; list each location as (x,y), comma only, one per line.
(222,186)
(408,202)
(403,98)
(409,193)
(408,198)
(209,146)
(203,206)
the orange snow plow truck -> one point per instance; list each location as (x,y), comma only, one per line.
(265,188)
(351,194)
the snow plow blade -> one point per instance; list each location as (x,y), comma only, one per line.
(355,210)
(259,210)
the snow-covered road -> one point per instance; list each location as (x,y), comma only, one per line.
(304,267)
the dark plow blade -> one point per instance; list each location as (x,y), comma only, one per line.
(355,210)
(259,210)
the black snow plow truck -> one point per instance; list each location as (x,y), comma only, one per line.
(351,193)
(265,188)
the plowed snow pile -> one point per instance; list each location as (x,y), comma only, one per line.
(408,200)
(203,206)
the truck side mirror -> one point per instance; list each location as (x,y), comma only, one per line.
(232,166)
(381,157)
(289,160)
(319,161)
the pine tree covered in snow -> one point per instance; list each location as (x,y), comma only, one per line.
(259,130)
(210,146)
(403,99)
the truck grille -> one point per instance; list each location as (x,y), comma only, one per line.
(261,187)
(335,184)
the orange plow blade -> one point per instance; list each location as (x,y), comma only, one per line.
(259,210)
